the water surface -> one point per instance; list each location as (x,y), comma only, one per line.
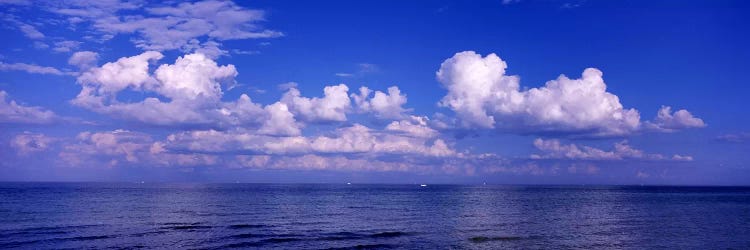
(319,216)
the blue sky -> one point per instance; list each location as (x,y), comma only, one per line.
(533,92)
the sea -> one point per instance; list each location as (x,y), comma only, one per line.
(369,216)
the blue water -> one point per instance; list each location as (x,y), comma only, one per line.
(217,216)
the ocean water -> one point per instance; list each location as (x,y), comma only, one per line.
(318,216)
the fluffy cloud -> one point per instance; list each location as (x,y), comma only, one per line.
(667,121)
(12,112)
(189,92)
(280,121)
(192,85)
(27,143)
(415,126)
(84,60)
(113,77)
(553,149)
(483,95)
(192,77)
(169,27)
(388,106)
(331,107)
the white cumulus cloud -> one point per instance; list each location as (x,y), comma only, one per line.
(383,105)
(681,119)
(483,95)
(331,107)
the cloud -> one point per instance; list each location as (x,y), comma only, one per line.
(355,139)
(192,85)
(384,105)
(415,126)
(40,45)
(353,148)
(30,31)
(66,46)
(84,60)
(667,121)
(210,48)
(734,138)
(28,143)
(362,69)
(331,107)
(32,69)
(124,148)
(280,122)
(189,93)
(11,112)
(682,158)
(287,86)
(169,27)
(245,52)
(483,96)
(553,149)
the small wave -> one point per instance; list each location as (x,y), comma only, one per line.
(280,240)
(260,243)
(389,234)
(52,228)
(365,246)
(481,239)
(185,227)
(308,223)
(180,223)
(86,238)
(242,226)
(241,245)
(341,236)
(360,207)
(248,235)
(255,235)
(354,236)
(24,233)
(142,234)
(77,238)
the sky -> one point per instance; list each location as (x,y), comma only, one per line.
(463,92)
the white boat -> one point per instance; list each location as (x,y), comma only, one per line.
(423,185)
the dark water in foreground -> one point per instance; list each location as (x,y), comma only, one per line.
(110,215)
